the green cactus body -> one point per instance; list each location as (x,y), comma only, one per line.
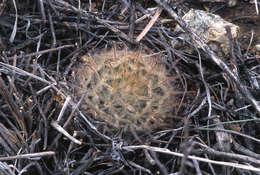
(126,88)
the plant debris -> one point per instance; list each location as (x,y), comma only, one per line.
(210,28)
(48,127)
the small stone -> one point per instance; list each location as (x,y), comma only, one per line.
(231,3)
(210,28)
(257,47)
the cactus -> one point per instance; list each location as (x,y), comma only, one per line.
(127,88)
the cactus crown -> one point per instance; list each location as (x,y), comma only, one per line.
(127,88)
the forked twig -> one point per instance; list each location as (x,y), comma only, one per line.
(150,24)
(64,132)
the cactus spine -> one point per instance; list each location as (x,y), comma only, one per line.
(126,88)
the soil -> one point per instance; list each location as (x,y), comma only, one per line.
(244,15)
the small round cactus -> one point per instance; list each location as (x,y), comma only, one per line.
(127,88)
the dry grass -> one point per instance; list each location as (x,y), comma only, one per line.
(46,129)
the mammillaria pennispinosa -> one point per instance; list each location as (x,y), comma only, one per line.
(127,88)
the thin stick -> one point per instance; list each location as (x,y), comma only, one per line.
(28,156)
(68,98)
(150,24)
(2,6)
(42,10)
(42,52)
(256,7)
(167,151)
